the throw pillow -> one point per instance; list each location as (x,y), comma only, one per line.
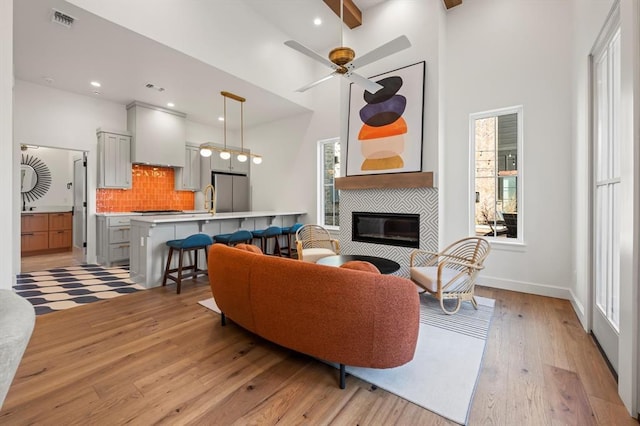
(249,247)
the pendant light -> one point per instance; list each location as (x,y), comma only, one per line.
(207,148)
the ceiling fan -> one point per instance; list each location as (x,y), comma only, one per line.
(342,59)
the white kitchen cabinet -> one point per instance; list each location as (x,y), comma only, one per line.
(112,239)
(187,178)
(114,159)
(158,134)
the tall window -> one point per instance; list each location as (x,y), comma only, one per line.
(329,167)
(496,147)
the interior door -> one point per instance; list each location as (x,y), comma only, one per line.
(80,208)
(605,193)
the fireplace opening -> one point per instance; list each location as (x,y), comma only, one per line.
(394,229)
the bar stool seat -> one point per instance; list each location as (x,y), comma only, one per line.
(264,235)
(288,232)
(191,244)
(234,238)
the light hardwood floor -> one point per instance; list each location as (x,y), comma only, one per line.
(157,357)
(48,261)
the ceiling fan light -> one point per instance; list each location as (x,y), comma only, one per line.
(225,155)
(257,160)
(206,152)
(242,158)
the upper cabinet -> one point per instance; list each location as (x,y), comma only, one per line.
(159,135)
(114,159)
(188,177)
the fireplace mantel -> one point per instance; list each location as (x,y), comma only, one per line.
(386,181)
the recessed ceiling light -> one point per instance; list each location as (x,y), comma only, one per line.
(97,92)
(96,84)
(317,22)
(221,118)
(170,104)
(48,79)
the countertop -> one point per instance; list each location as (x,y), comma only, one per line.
(52,209)
(196,215)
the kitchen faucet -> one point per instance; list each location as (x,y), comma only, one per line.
(210,203)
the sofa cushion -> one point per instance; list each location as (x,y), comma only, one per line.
(361,265)
(427,277)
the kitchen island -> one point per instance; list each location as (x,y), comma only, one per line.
(149,234)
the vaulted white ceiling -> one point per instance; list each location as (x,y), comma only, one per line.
(124,62)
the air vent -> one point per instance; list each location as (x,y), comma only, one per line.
(62,18)
(154,87)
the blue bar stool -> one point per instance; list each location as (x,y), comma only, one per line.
(234,238)
(264,235)
(288,232)
(193,243)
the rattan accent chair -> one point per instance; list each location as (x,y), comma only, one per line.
(450,274)
(314,242)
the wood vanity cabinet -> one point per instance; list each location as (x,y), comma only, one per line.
(60,231)
(43,233)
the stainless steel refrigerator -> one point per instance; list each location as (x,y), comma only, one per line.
(232,192)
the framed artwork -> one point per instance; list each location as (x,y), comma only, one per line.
(385,128)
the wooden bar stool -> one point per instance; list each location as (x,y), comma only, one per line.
(264,235)
(234,238)
(288,232)
(191,244)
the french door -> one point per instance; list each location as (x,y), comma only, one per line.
(606,190)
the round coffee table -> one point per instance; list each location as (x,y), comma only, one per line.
(385,266)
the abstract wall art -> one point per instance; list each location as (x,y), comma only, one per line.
(385,128)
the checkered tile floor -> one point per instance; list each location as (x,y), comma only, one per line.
(63,288)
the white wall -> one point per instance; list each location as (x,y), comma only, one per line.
(60,165)
(59,119)
(9,217)
(421,22)
(497,56)
(287,177)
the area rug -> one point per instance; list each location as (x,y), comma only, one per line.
(443,373)
(63,288)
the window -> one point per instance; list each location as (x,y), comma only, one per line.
(329,167)
(496,178)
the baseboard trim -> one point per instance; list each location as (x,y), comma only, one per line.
(527,287)
(578,308)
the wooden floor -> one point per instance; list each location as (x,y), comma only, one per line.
(157,357)
(48,261)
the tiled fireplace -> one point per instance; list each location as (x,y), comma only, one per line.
(412,201)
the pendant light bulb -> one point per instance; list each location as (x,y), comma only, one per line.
(242,158)
(206,152)
(257,160)
(225,155)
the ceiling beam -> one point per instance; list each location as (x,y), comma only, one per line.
(352,16)
(452,3)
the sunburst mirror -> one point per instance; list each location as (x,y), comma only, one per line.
(35,178)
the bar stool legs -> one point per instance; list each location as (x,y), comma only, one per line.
(191,244)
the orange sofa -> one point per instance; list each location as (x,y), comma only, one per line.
(341,315)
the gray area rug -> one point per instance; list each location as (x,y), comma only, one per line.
(443,373)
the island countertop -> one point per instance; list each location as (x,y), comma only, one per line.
(197,215)
(149,235)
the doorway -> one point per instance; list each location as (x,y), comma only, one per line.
(65,193)
(605,206)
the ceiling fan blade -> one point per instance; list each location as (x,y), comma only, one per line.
(310,53)
(386,49)
(368,85)
(315,83)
